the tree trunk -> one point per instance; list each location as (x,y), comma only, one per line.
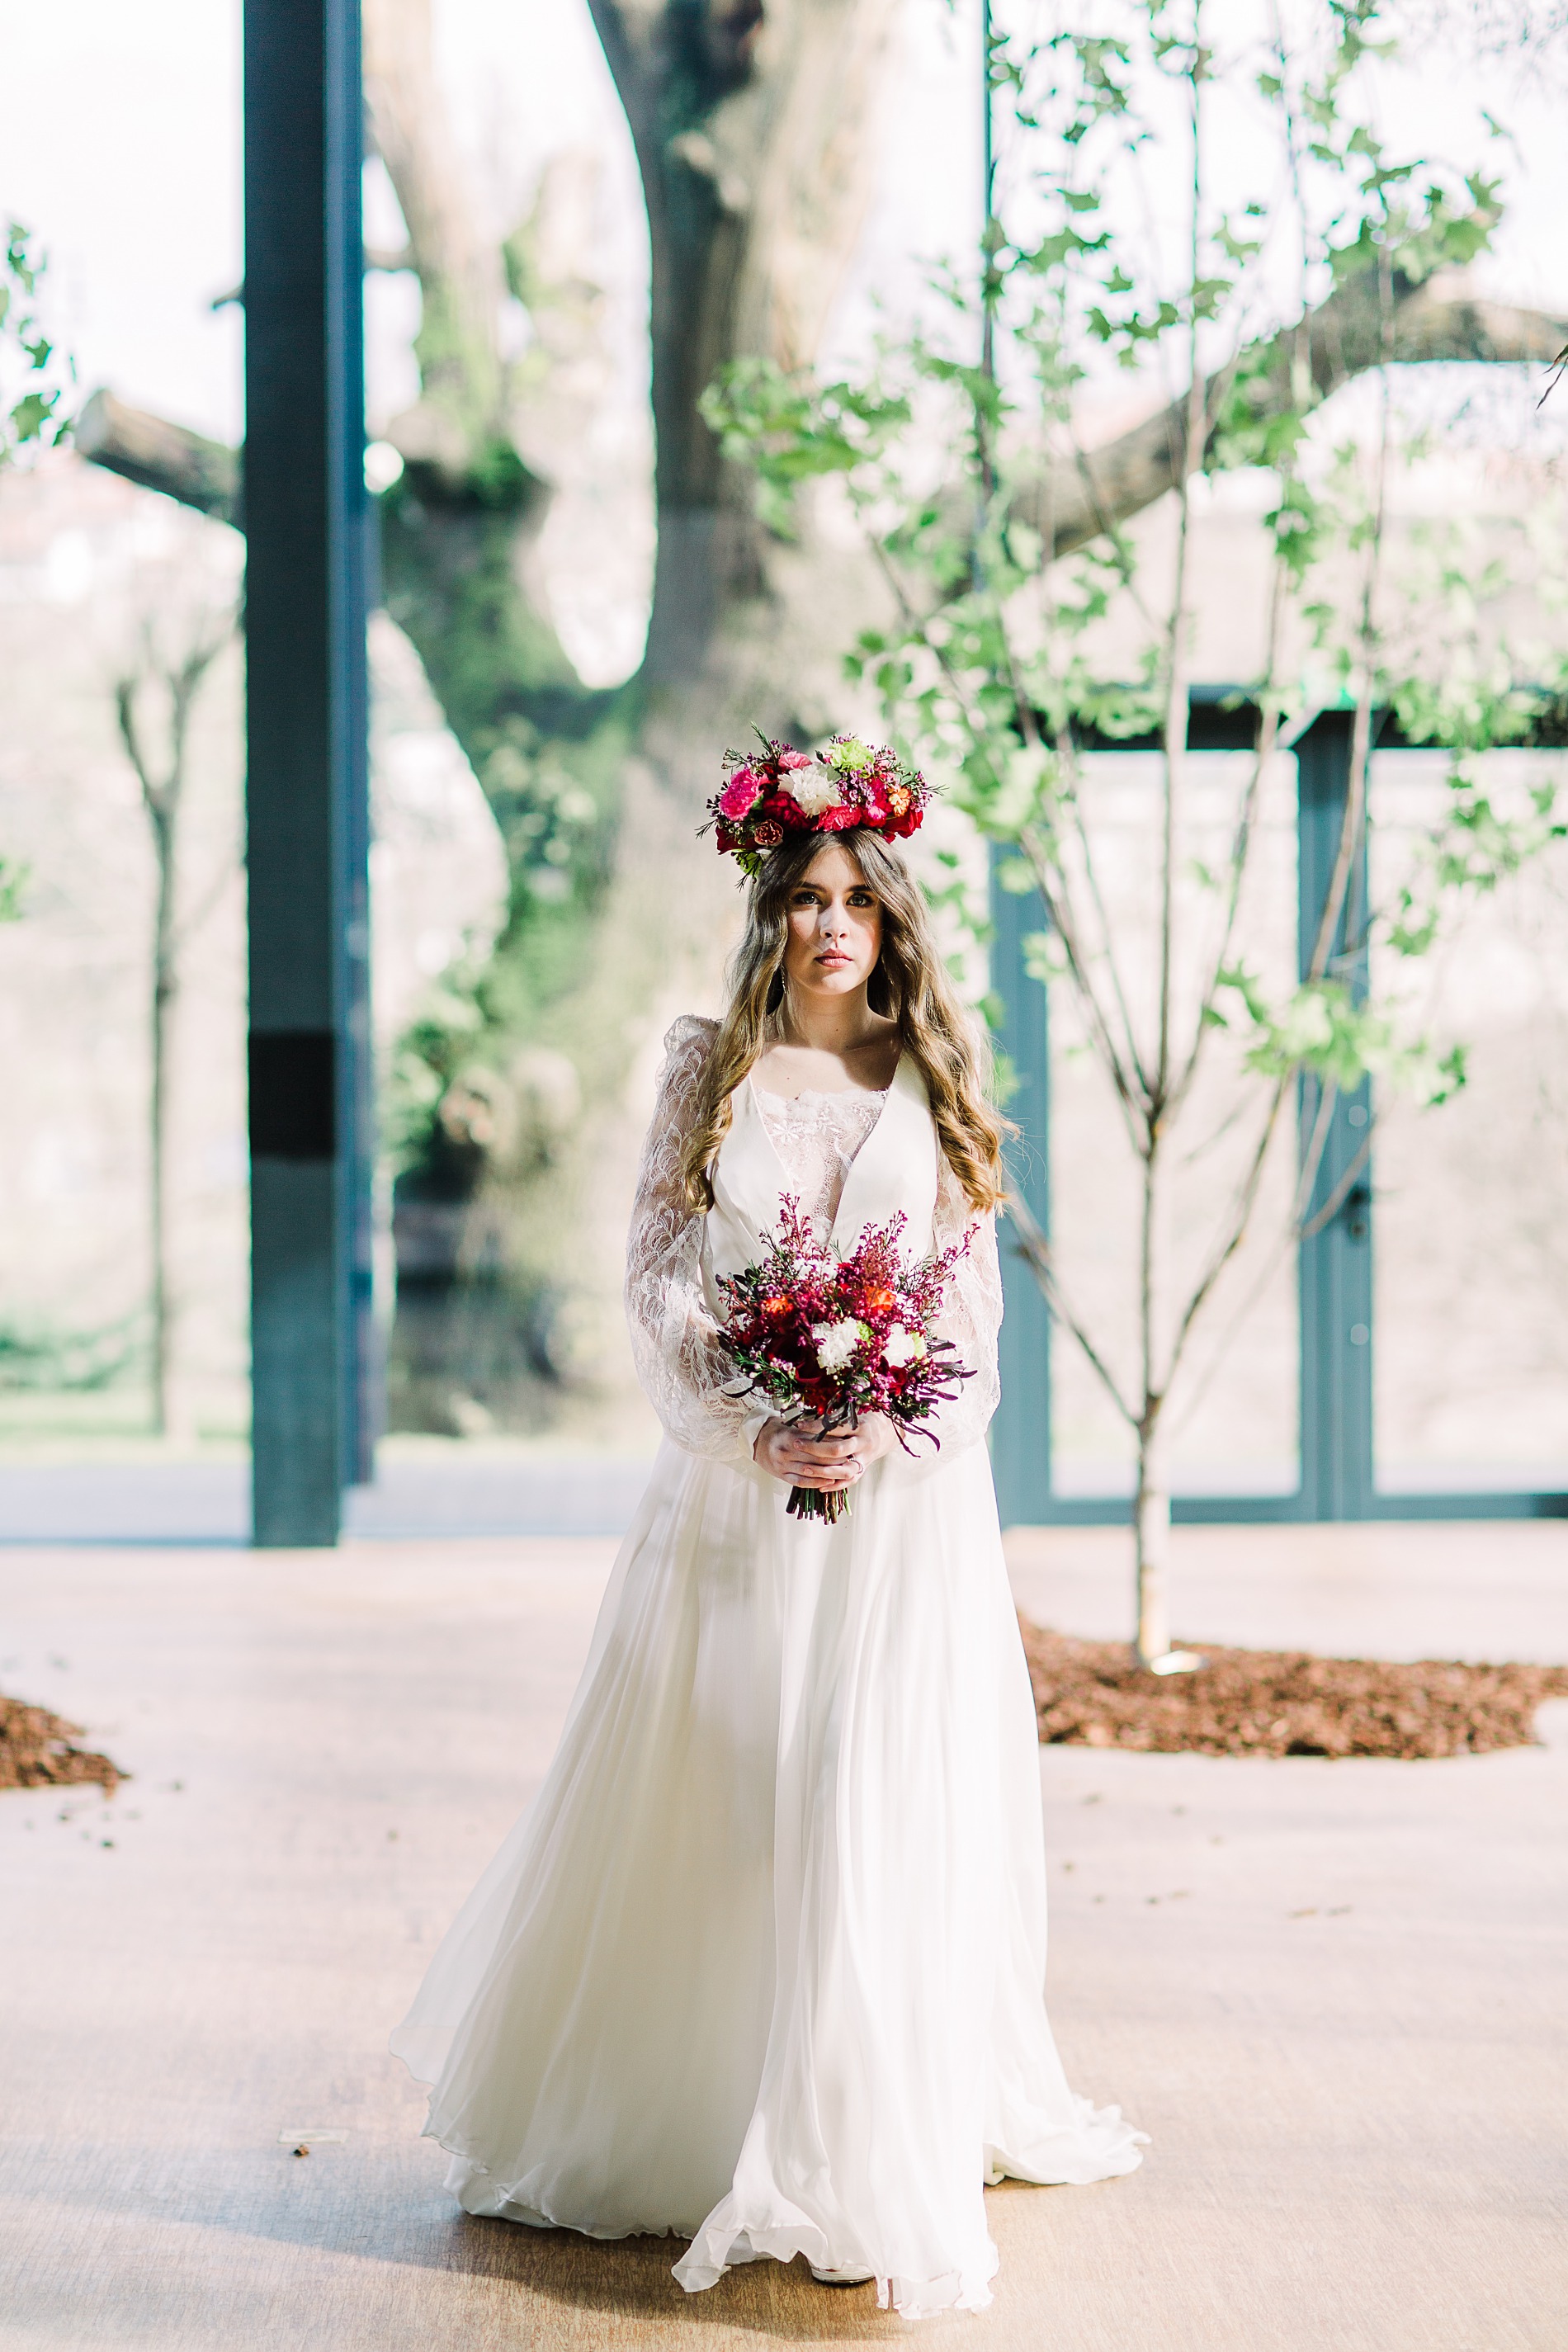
(1152,1534)
(162,797)
(752,123)
(1151,1501)
(459,528)
(164,986)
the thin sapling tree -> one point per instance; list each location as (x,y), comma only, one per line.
(155,695)
(1129,235)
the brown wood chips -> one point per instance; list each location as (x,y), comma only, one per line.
(1281,1701)
(35,1751)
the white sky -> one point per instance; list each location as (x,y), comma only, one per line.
(120,145)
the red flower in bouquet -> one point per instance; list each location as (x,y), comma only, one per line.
(834,1338)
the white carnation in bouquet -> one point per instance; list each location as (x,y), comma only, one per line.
(837,1342)
(901,1347)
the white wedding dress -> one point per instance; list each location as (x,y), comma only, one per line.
(761,1965)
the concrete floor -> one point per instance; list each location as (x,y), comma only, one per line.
(1332,1992)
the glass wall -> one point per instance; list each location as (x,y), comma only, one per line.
(1235,1408)
(1470,1241)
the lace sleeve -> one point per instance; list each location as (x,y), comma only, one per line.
(971,1315)
(675,1340)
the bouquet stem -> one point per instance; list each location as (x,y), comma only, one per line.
(813,1503)
(831,1504)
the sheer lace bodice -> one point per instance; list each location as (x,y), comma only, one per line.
(816,1137)
(677,1345)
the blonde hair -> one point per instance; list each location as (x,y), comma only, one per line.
(909,983)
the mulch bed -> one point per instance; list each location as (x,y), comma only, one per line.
(37,1752)
(1281,1701)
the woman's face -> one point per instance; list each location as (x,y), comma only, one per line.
(834,927)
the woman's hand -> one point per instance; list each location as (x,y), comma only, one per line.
(798,1452)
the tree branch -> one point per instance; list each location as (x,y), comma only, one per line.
(1246,1202)
(1345,337)
(1112,483)
(1036,1250)
(1080,830)
(1126,1085)
(1243,837)
(158,456)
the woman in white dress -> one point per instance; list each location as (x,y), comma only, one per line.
(762,1965)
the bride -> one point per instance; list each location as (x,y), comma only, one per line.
(761,1965)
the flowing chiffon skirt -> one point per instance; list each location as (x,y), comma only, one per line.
(762,1965)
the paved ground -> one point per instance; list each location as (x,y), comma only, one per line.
(422,1489)
(1332,1992)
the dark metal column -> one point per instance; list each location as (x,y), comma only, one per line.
(306,795)
(1335,1262)
(1020,1432)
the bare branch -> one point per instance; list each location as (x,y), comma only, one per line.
(1342,1191)
(1312,1158)
(1063,921)
(1241,1218)
(1036,1250)
(1049,878)
(1092,876)
(125,693)
(1242,840)
(1353,823)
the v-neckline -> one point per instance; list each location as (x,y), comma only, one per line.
(755,1093)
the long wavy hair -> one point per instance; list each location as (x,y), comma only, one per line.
(909,983)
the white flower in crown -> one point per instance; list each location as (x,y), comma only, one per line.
(901,1347)
(837,1342)
(811,787)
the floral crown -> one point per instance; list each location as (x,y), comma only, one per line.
(779,791)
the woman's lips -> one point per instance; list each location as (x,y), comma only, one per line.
(831,956)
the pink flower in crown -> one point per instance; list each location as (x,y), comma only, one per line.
(741,792)
(840,818)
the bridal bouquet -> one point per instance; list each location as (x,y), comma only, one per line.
(834,1338)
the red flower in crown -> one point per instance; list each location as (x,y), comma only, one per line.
(849,786)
